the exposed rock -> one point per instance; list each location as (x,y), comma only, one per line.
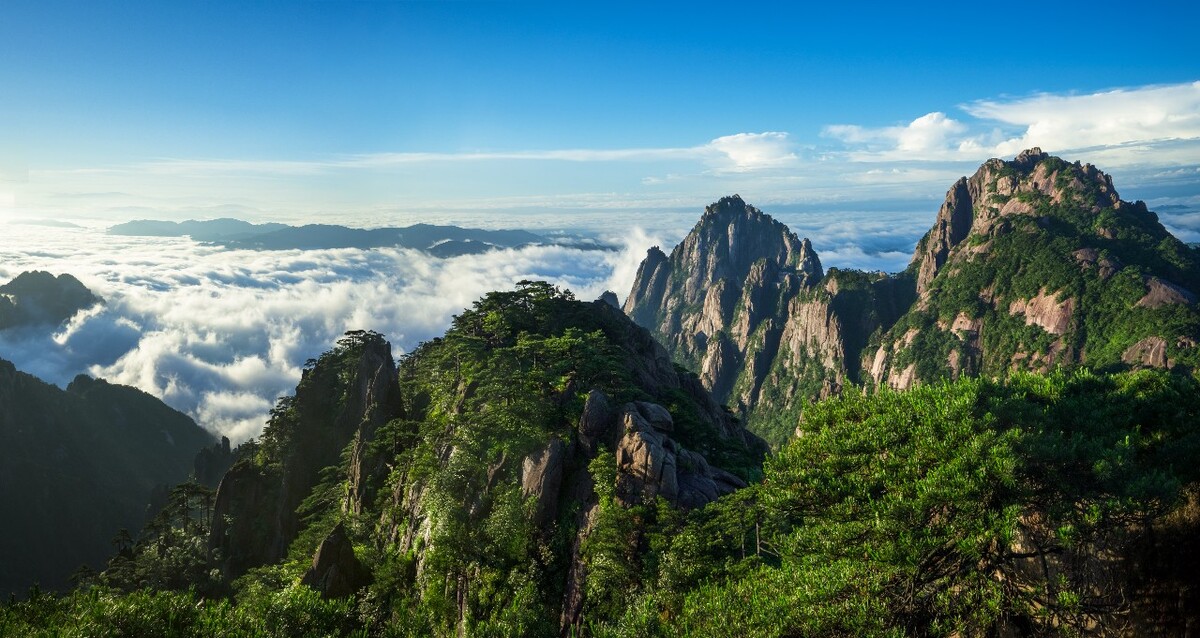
(609,297)
(656,415)
(906,379)
(376,397)
(706,300)
(336,572)
(1045,311)
(598,419)
(650,464)
(951,227)
(1150,352)
(541,477)
(1160,292)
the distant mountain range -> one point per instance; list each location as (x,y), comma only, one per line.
(439,241)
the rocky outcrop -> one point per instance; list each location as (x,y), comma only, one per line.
(541,478)
(342,399)
(1160,292)
(746,304)
(336,572)
(1038,223)
(38,297)
(1045,311)
(373,401)
(718,285)
(650,464)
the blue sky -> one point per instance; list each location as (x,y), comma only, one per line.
(368,111)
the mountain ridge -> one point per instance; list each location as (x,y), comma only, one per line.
(767,341)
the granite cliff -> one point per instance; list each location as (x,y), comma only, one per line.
(1030,264)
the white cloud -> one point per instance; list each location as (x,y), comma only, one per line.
(1109,118)
(1122,127)
(220,334)
(753,151)
(932,133)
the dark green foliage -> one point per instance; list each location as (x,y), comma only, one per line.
(171,553)
(897,514)
(76,466)
(38,297)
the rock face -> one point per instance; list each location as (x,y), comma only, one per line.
(745,303)
(1040,263)
(1030,264)
(734,270)
(336,572)
(39,297)
(341,400)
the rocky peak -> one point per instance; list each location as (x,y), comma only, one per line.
(342,399)
(1048,244)
(1000,190)
(38,297)
(1029,158)
(735,256)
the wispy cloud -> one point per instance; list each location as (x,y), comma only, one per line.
(1119,125)
(747,152)
(931,135)
(739,152)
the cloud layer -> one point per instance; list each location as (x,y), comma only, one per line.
(220,334)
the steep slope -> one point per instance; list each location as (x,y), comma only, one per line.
(342,399)
(1036,263)
(745,303)
(510,470)
(38,297)
(76,466)
(1030,264)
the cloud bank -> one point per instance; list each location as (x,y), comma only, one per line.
(219,334)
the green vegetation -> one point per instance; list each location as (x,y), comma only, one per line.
(914,514)
(933,512)
(1040,254)
(78,465)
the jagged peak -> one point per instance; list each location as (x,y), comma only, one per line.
(1030,157)
(728,205)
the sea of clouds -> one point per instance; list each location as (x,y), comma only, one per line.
(220,334)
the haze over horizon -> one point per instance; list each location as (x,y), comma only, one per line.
(535,114)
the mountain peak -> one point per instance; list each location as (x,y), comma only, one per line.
(38,297)
(1030,157)
(1034,185)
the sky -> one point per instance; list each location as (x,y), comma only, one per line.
(847,122)
(369,112)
